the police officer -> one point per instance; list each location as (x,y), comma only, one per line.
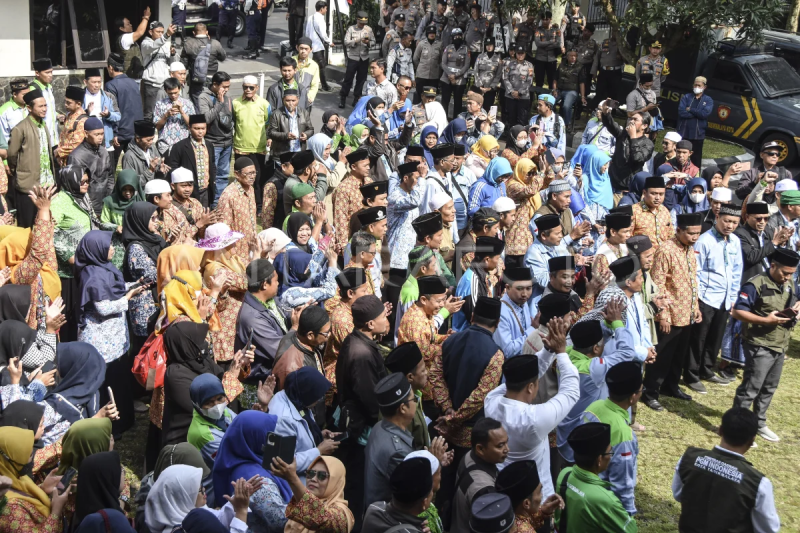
(412,13)
(357,41)
(437,19)
(478,28)
(587,49)
(525,33)
(655,64)
(517,78)
(607,67)
(399,62)
(253,21)
(549,43)
(488,70)
(766,332)
(428,94)
(572,25)
(392,37)
(455,64)
(427,62)
(458,18)
(227,20)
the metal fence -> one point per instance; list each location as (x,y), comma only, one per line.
(597,14)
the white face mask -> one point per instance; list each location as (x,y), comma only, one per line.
(458,138)
(696,197)
(697,90)
(523,143)
(363,139)
(216,412)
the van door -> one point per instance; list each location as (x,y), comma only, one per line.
(736,114)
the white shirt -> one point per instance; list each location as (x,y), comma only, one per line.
(126,41)
(98,103)
(315,30)
(529,425)
(764,516)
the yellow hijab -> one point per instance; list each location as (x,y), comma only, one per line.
(487,143)
(174,258)
(14,247)
(216,259)
(17,444)
(176,300)
(524,166)
(333,497)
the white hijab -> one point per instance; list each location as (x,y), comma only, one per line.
(172,497)
(279,240)
(436,115)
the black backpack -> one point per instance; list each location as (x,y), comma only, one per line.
(200,67)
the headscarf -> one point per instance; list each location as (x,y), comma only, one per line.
(82,439)
(172,497)
(688,205)
(22,414)
(612,292)
(398,118)
(304,387)
(296,222)
(70,178)
(358,131)
(99,279)
(15,302)
(16,338)
(179,454)
(174,258)
(524,166)
(597,184)
(583,154)
(186,345)
(317,144)
(486,143)
(359,114)
(213,260)
(115,202)
(512,143)
(17,445)
(201,520)
(105,521)
(427,130)
(279,238)
(176,298)
(326,116)
(83,371)
(241,452)
(98,485)
(670,197)
(15,247)
(499,166)
(449,134)
(708,174)
(135,229)
(334,494)
(203,388)
(436,115)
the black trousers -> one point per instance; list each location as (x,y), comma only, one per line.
(258,185)
(697,151)
(517,110)
(489,99)
(351,453)
(447,488)
(118,378)
(542,69)
(262,29)
(705,343)
(665,373)
(320,58)
(355,70)
(391,289)
(457,93)
(608,82)
(119,150)
(296,23)
(26,209)
(421,83)
(69,293)
(253,23)
(227,24)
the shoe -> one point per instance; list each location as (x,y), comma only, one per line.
(654,405)
(718,380)
(729,373)
(679,394)
(698,387)
(767,434)
(263,48)
(140,407)
(342,101)
(327,88)
(230,43)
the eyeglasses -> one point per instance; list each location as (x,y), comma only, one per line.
(326,334)
(404,87)
(321,476)
(249,87)
(412,399)
(760,219)
(249,174)
(772,154)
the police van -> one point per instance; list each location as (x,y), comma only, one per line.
(756,94)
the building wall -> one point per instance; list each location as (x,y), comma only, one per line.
(15,43)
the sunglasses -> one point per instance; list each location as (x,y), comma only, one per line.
(772,154)
(404,87)
(321,476)
(760,219)
(249,87)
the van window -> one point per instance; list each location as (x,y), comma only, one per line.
(727,76)
(776,76)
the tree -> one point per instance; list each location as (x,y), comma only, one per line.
(794,14)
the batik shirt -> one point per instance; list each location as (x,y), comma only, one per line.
(142,305)
(416,327)
(175,129)
(237,209)
(341,326)
(71,136)
(347,200)
(45,174)
(675,274)
(655,224)
(315,515)
(518,237)
(201,158)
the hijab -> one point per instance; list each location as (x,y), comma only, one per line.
(296,221)
(457,126)
(326,116)
(688,205)
(279,239)
(304,387)
(499,166)
(70,178)
(179,454)
(241,452)
(317,144)
(436,115)
(358,131)
(15,302)
(201,520)
(583,154)
(670,197)
(334,494)
(98,485)
(487,143)
(176,299)
(512,143)
(172,497)
(116,203)
(292,266)
(427,130)
(359,116)
(22,414)
(186,346)
(84,438)
(15,247)
(521,171)
(174,258)
(83,371)
(708,174)
(597,184)
(17,446)
(136,229)
(105,521)
(398,118)
(16,338)
(99,279)
(203,388)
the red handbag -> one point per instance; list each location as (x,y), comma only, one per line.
(151,363)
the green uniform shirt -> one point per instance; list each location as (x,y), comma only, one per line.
(590,505)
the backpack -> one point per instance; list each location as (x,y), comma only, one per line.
(150,364)
(200,67)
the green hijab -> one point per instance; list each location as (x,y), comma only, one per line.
(179,454)
(116,203)
(84,438)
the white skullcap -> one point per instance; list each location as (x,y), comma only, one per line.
(504,204)
(250,80)
(426,455)
(786,185)
(722,194)
(673,136)
(439,199)
(182,175)
(176,66)
(156,187)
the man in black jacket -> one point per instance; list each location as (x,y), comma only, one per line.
(758,241)
(296,15)
(125,91)
(92,156)
(633,149)
(196,153)
(216,104)
(280,131)
(194,47)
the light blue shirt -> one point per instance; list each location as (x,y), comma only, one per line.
(400,236)
(719,268)
(566,240)
(548,126)
(636,324)
(536,259)
(508,335)
(464,178)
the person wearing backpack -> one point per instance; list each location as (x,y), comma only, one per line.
(201,54)
(125,91)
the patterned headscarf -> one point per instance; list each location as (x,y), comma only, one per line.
(606,295)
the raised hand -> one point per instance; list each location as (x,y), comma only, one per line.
(48,379)
(613,310)
(53,317)
(15,370)
(266,390)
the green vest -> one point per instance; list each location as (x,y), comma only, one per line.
(590,505)
(770,297)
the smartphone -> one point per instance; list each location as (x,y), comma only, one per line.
(278,446)
(788,313)
(66,479)
(111,396)
(13,212)
(341,436)
(137,285)
(493,111)
(548,156)
(325,241)
(248,345)
(577,166)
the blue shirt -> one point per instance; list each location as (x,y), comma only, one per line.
(637,326)
(464,178)
(400,236)
(508,335)
(719,268)
(536,259)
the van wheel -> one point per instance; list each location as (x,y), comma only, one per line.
(788,147)
(240,24)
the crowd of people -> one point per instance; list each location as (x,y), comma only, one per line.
(386,322)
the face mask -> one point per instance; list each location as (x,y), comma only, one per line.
(216,412)
(362,140)
(697,90)
(458,42)
(383,117)
(522,144)
(431,40)
(696,197)
(556,168)
(458,138)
